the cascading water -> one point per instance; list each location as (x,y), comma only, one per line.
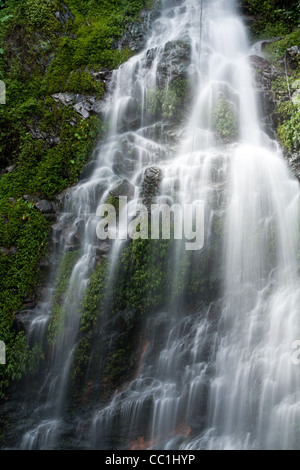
(221,374)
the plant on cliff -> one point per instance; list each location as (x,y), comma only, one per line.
(272,18)
(46,47)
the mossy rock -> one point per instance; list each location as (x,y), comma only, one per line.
(225,120)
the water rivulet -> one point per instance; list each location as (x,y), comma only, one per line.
(150,345)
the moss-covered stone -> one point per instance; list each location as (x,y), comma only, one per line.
(225,120)
(170,101)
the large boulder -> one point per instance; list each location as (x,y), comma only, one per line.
(44,206)
(151,182)
(123,188)
(174,61)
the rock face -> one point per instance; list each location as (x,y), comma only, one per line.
(135,37)
(150,185)
(45,207)
(123,188)
(48,209)
(47,137)
(8,169)
(265,74)
(174,61)
(64,15)
(292,57)
(83,105)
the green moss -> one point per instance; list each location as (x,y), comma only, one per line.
(92,310)
(26,231)
(113,201)
(287,112)
(170,101)
(117,367)
(39,14)
(62,283)
(272,18)
(225,120)
(277,49)
(93,302)
(289,132)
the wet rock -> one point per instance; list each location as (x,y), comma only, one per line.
(51,217)
(8,251)
(37,134)
(62,197)
(44,264)
(83,105)
(30,301)
(135,37)
(152,174)
(65,15)
(80,228)
(123,188)
(44,206)
(130,117)
(72,240)
(265,74)
(8,169)
(151,183)
(99,189)
(66,99)
(174,61)
(30,198)
(23,319)
(88,169)
(103,250)
(122,165)
(292,57)
(150,56)
(103,75)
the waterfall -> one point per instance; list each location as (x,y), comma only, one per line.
(218,374)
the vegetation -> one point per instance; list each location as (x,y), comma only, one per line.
(225,120)
(272,17)
(288,112)
(286,91)
(45,49)
(276,50)
(146,278)
(169,102)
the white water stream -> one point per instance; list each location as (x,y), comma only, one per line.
(227,382)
